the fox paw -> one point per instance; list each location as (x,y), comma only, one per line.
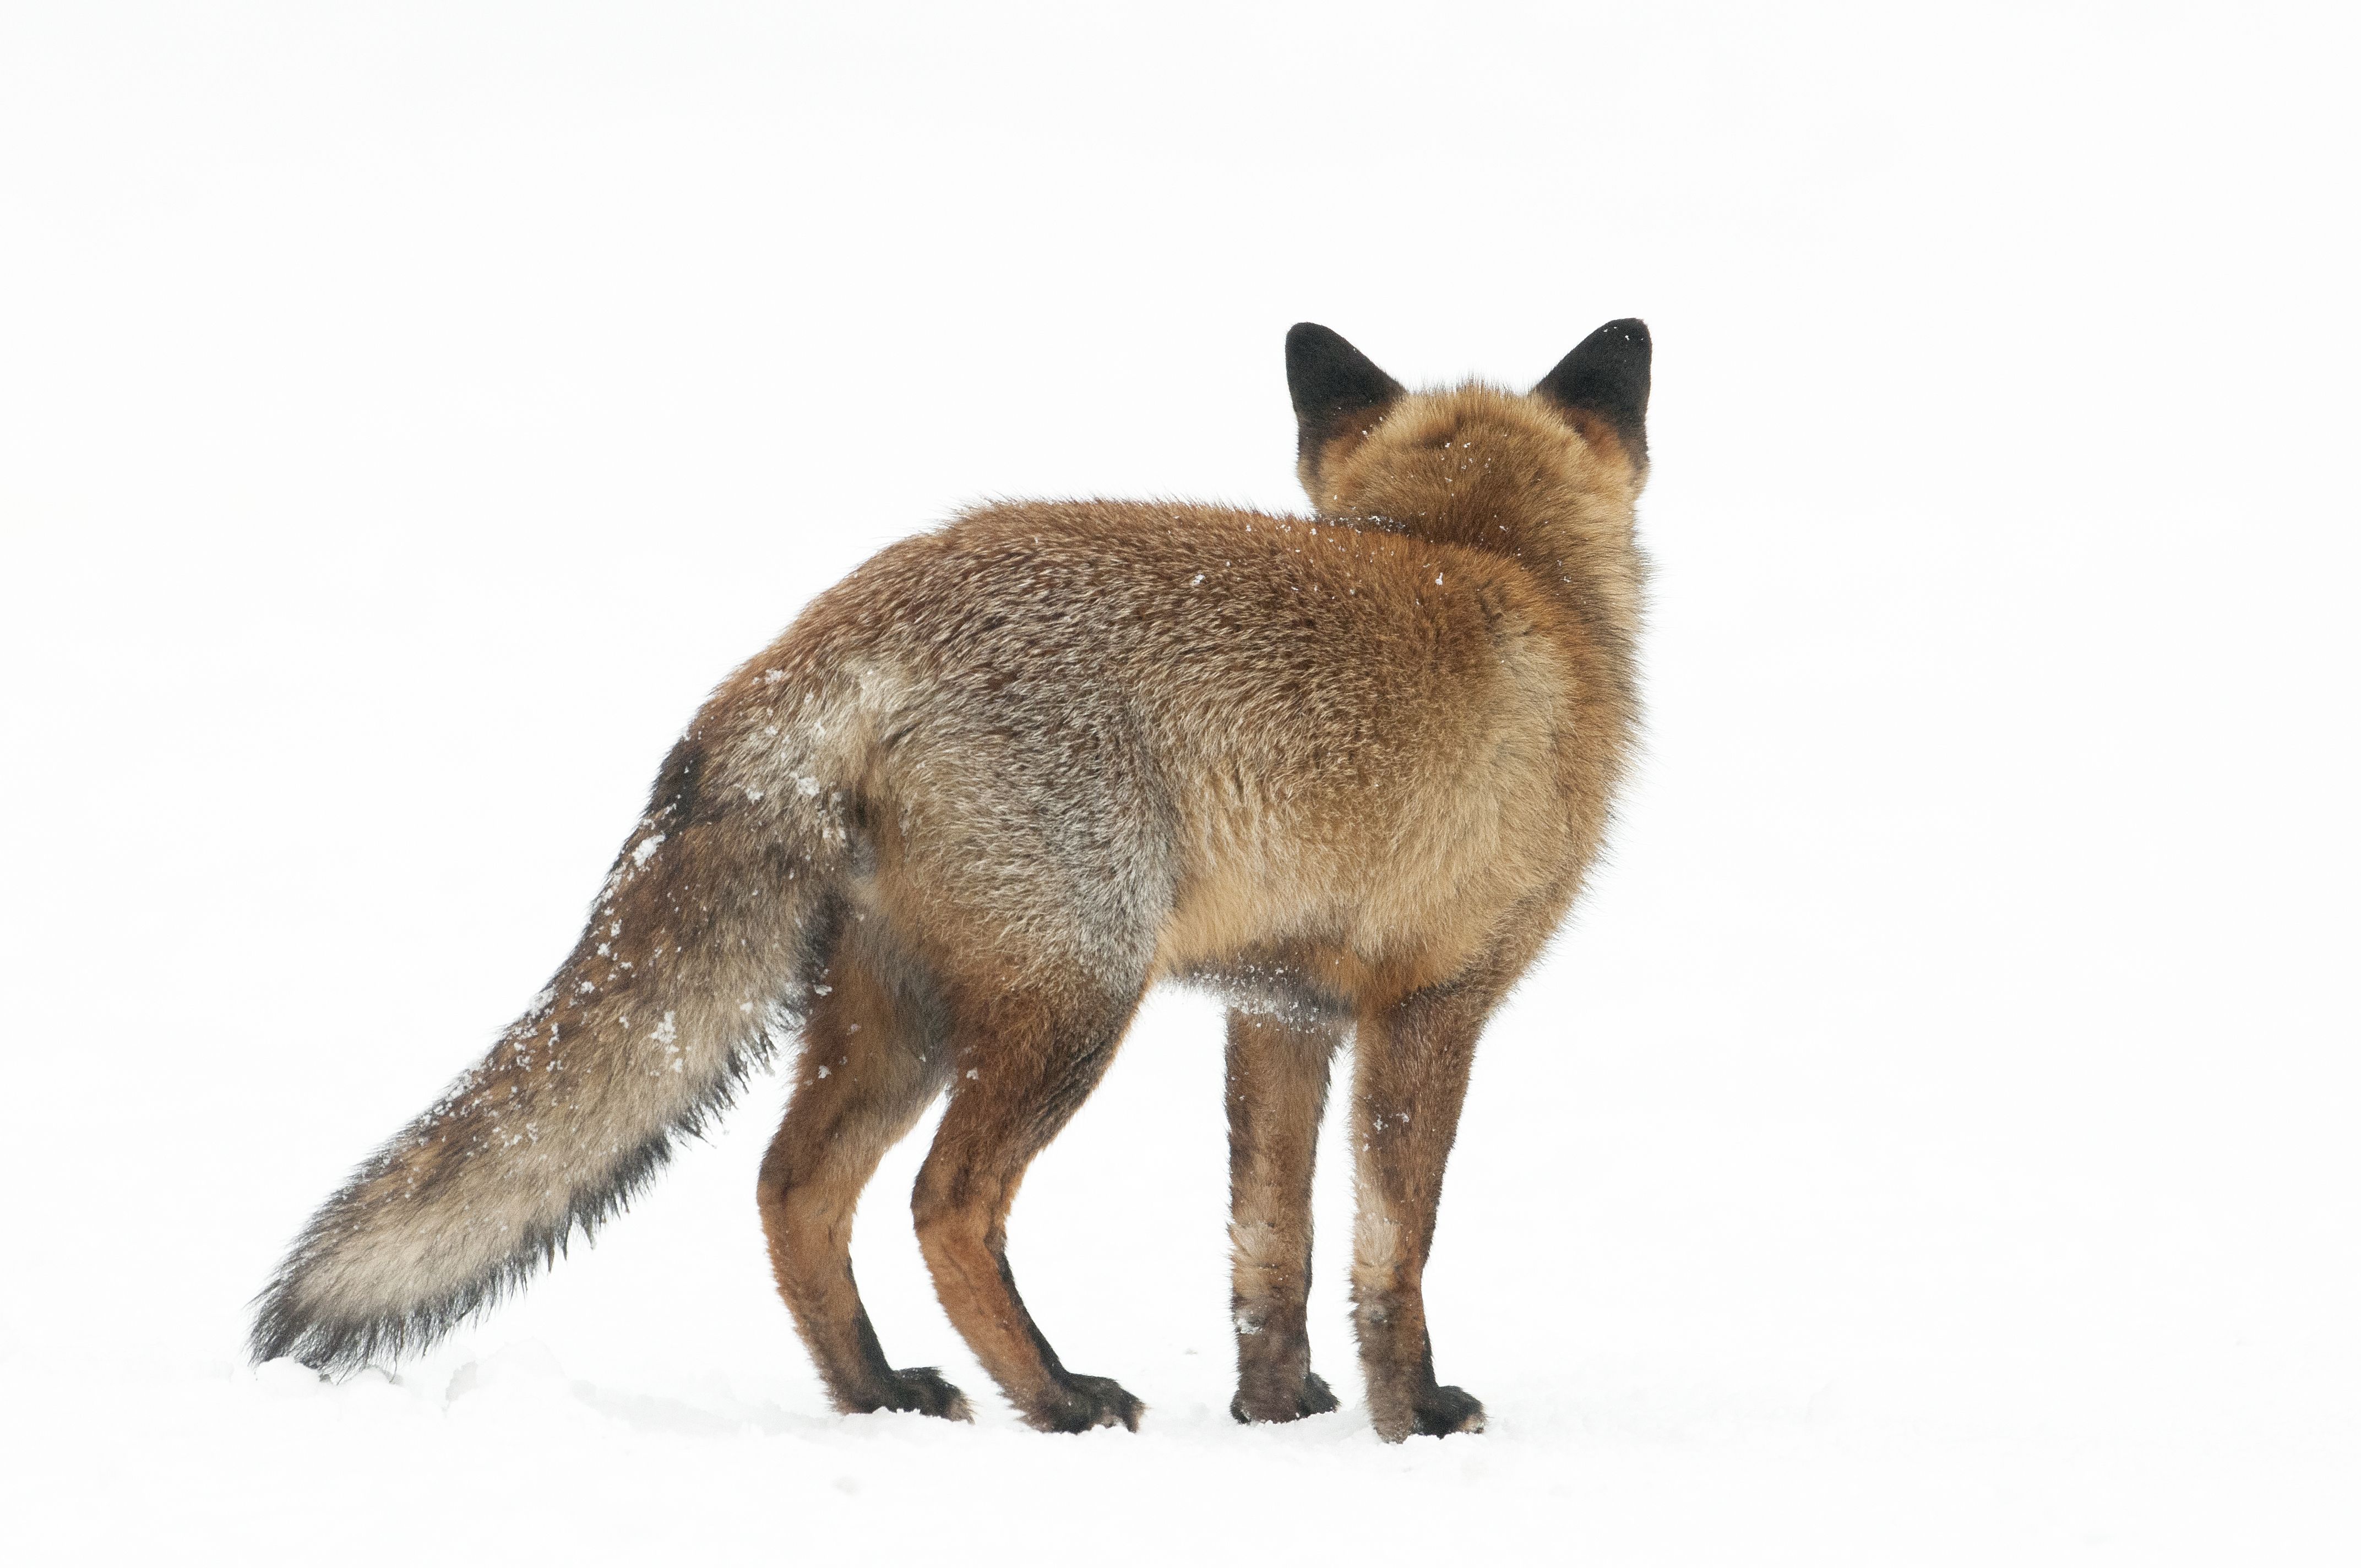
(1086,1402)
(1431,1412)
(927,1391)
(1311,1399)
(1447,1410)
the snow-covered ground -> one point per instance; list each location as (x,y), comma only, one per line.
(1933,1142)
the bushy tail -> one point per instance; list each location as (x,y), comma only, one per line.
(699,953)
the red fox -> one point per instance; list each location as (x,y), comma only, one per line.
(1347,770)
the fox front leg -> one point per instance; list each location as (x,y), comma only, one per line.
(1278,1084)
(1411,1063)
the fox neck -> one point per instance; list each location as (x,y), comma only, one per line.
(1483,471)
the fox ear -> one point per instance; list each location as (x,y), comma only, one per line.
(1606,376)
(1334,385)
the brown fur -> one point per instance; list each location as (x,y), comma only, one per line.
(984,794)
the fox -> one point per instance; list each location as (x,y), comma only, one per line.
(1346,770)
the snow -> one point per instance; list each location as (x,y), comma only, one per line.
(1931,1142)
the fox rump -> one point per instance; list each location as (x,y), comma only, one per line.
(943,834)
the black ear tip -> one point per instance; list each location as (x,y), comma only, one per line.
(1630,331)
(1322,364)
(1307,335)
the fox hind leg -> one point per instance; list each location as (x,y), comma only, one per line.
(1278,1086)
(1022,1063)
(871,1065)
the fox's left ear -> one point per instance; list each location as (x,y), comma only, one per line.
(1334,386)
(1607,378)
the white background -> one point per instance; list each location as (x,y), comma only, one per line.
(1932,1141)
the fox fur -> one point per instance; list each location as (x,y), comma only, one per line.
(945,833)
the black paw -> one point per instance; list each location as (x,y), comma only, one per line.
(1447,1410)
(1310,1399)
(927,1391)
(1086,1402)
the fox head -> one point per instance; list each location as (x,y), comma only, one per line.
(1459,462)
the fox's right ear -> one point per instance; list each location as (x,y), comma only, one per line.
(1606,378)
(1335,387)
